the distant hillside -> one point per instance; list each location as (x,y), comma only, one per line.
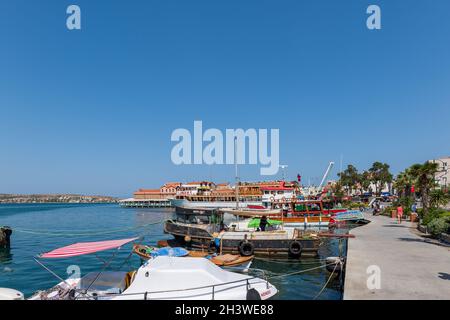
(61,198)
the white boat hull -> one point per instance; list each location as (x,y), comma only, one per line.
(176,278)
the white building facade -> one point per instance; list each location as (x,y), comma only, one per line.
(443,175)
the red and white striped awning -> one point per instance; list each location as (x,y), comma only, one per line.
(82,248)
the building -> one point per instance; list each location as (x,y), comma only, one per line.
(196,188)
(167,191)
(443,175)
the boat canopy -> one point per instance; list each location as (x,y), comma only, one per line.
(82,248)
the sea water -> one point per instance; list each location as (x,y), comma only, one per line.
(39,228)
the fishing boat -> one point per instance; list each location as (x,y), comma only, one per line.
(236,262)
(201,229)
(195,224)
(161,278)
(291,243)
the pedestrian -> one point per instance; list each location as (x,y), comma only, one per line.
(399,213)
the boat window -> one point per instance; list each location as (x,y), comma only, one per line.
(112,281)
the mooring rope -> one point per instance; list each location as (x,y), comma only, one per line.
(299,272)
(290,261)
(328,281)
(86,233)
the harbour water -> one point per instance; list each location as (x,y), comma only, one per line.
(38,228)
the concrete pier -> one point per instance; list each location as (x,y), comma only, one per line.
(411,267)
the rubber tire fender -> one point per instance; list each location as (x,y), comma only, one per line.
(246,248)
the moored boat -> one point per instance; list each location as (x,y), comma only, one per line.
(237,262)
(292,243)
(161,278)
(350,217)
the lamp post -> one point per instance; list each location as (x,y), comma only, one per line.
(283,166)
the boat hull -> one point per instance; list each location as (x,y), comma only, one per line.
(182,231)
(273,248)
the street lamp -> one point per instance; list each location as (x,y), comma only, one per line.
(283,166)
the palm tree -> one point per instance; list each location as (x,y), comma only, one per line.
(438,198)
(424,176)
(403,183)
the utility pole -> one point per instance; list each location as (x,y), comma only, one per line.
(236,174)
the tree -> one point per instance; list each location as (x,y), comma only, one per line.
(403,183)
(438,198)
(349,178)
(364,181)
(380,175)
(424,176)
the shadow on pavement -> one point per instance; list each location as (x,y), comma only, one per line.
(444,276)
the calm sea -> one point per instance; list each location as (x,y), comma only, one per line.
(39,228)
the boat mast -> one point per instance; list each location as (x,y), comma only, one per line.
(236,187)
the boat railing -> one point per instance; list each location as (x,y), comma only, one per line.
(213,287)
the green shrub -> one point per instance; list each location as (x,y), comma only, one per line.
(357,205)
(439,225)
(433,214)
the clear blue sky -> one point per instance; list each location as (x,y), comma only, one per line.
(92,111)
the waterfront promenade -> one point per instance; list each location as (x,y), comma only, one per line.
(411,266)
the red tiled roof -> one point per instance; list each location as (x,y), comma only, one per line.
(146,191)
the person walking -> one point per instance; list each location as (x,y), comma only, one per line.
(399,213)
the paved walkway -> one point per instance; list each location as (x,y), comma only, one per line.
(411,267)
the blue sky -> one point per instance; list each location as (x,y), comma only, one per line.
(92,111)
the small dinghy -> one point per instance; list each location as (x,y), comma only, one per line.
(222,260)
(234,261)
(350,217)
(147,252)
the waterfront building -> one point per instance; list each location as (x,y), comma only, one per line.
(442,177)
(153,198)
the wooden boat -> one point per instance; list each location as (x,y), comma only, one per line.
(223,260)
(295,213)
(292,243)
